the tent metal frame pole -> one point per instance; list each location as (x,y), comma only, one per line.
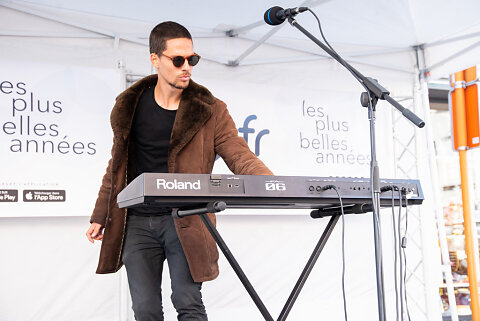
(405,151)
(260,41)
(319,57)
(236,31)
(455,55)
(257,44)
(453,39)
(441,232)
(83,26)
(366,53)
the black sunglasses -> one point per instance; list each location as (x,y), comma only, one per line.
(178,61)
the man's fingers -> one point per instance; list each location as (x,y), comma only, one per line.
(97,233)
(89,233)
(93,232)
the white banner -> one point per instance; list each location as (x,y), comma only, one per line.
(305,132)
(321,133)
(55,137)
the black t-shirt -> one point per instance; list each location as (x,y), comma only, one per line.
(151,130)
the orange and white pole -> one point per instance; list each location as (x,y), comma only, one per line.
(459,117)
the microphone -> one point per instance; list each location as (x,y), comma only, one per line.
(276,15)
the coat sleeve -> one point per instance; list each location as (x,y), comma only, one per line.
(100,211)
(233,148)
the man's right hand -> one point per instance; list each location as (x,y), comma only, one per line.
(95,232)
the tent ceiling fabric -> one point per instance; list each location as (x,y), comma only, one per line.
(362,31)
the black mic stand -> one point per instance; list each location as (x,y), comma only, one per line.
(369,99)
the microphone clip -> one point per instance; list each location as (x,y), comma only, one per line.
(291,12)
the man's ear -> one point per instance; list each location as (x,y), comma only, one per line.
(155,60)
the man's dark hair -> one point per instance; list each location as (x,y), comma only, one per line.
(165,31)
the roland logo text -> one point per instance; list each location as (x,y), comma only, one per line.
(162,183)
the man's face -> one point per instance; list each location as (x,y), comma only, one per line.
(177,77)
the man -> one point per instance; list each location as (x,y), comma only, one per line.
(165,123)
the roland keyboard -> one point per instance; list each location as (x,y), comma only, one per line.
(258,191)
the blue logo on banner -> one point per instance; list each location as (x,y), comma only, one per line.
(245,130)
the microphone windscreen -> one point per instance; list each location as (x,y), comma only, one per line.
(271,18)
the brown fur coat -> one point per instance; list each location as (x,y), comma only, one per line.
(203,128)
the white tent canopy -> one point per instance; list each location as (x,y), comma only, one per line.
(365,32)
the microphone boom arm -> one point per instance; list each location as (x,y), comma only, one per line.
(373,86)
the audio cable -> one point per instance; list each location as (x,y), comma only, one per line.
(327,187)
(403,192)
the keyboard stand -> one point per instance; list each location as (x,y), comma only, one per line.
(215,207)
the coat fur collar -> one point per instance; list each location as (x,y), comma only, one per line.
(194,110)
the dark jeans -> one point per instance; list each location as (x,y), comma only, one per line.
(149,240)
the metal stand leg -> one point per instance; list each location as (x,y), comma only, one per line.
(308,268)
(236,267)
(246,283)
